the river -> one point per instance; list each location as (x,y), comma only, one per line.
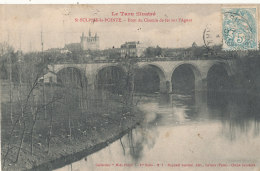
(184,132)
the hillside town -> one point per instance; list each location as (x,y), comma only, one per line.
(88,49)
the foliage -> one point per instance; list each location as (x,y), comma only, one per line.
(153,52)
(8,62)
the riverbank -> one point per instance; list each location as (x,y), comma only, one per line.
(75,133)
(65,150)
(76,156)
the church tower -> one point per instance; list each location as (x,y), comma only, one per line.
(89,42)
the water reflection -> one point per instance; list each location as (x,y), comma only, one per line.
(185,129)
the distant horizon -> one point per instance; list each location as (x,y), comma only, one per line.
(105,48)
(113,47)
(64,24)
(59,27)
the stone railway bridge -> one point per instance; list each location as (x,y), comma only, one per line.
(164,69)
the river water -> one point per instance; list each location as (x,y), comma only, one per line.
(184,132)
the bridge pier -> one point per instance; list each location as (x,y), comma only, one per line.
(90,73)
(91,82)
(165,82)
(165,86)
(201,84)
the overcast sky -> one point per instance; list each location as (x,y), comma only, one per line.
(24,24)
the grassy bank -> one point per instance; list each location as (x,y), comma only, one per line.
(72,129)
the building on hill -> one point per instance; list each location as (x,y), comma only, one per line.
(50,77)
(132,49)
(89,42)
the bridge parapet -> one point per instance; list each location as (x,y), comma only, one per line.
(151,59)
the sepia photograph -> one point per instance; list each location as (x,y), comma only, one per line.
(106,87)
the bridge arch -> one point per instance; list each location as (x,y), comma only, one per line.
(108,65)
(72,76)
(110,77)
(218,77)
(219,83)
(186,78)
(150,78)
(224,66)
(59,67)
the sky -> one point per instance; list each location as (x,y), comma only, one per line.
(21,25)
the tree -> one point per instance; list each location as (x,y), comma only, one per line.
(130,65)
(6,69)
(153,52)
(29,105)
(158,51)
(6,60)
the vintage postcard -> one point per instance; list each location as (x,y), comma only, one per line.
(130,87)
